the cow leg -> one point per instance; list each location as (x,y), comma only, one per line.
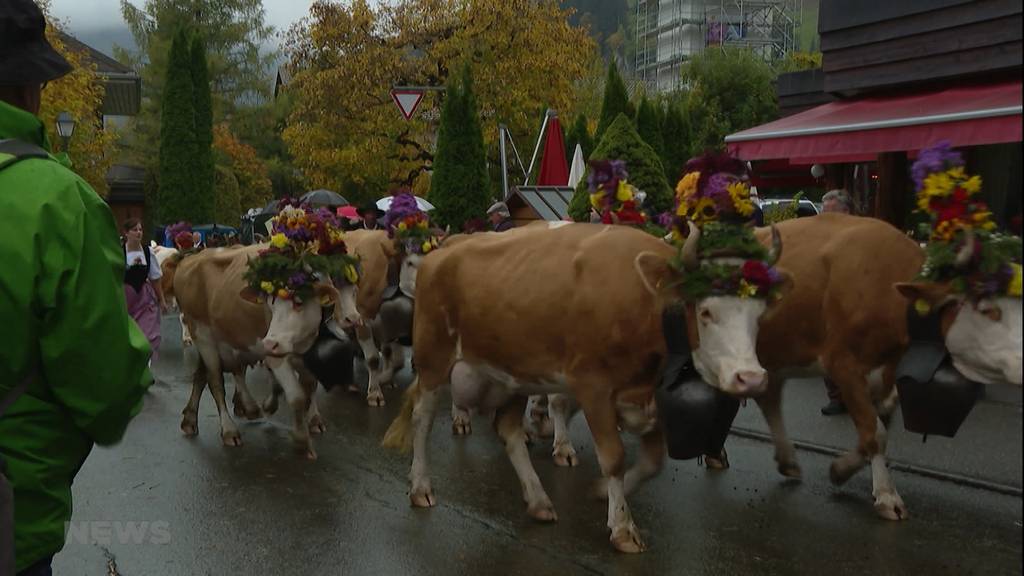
(508,421)
(243,402)
(559,407)
(393,360)
(186,334)
(270,402)
(538,419)
(853,386)
(295,395)
(599,410)
(374,395)
(313,419)
(888,503)
(421,495)
(190,415)
(650,462)
(215,371)
(462,422)
(770,404)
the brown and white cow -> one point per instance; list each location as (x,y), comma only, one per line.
(168,259)
(384,298)
(234,328)
(846,317)
(570,310)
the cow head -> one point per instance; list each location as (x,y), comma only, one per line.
(983,336)
(723,329)
(294,324)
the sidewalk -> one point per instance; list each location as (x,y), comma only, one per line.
(987,446)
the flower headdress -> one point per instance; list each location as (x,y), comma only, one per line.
(408,224)
(306,245)
(719,254)
(963,249)
(614,198)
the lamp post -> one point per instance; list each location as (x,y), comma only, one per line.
(65,128)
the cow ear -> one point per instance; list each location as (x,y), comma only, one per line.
(928,291)
(326,294)
(654,272)
(250,295)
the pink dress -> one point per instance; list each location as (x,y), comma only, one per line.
(143,306)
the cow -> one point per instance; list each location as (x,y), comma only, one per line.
(571,310)
(846,317)
(168,259)
(235,328)
(384,298)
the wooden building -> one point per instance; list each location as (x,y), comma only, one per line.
(531,203)
(897,77)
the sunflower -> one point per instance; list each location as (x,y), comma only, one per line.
(687,187)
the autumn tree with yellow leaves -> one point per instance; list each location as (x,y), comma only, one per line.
(344,130)
(241,160)
(79,93)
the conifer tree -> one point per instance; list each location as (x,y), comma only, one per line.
(178,138)
(579,134)
(203,194)
(615,102)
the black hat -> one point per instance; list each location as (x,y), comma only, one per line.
(26,57)
(370,207)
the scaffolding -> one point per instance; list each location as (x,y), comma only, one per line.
(670,32)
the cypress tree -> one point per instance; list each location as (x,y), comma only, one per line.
(203,193)
(579,134)
(177,137)
(647,126)
(459,187)
(676,138)
(621,142)
(615,102)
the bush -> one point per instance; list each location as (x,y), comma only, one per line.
(621,142)
(228,198)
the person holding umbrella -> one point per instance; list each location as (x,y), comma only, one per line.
(370,215)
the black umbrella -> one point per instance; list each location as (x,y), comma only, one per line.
(322,197)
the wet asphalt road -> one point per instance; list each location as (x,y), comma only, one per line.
(261,510)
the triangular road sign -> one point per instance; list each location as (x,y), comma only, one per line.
(407,101)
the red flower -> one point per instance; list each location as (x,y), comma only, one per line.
(960,196)
(951,211)
(756,272)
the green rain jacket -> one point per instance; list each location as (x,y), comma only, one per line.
(63,314)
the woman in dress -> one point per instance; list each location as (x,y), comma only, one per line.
(142,289)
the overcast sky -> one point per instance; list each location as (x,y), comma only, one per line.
(87,17)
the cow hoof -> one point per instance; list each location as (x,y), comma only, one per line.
(891,507)
(422,498)
(317,426)
(628,540)
(721,462)
(565,455)
(189,428)
(311,455)
(543,512)
(790,470)
(186,342)
(462,427)
(375,399)
(353,388)
(231,438)
(844,467)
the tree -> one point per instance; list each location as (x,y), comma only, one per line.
(253,177)
(177,157)
(621,142)
(459,187)
(579,134)
(729,90)
(361,50)
(228,208)
(676,135)
(648,125)
(204,175)
(80,93)
(615,102)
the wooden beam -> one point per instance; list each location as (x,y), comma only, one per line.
(895,195)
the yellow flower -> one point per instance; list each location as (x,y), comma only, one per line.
(922,201)
(956,172)
(688,185)
(595,200)
(351,274)
(402,227)
(682,210)
(1014,289)
(282,294)
(624,193)
(972,185)
(747,290)
(938,184)
(426,247)
(423,224)
(922,307)
(739,192)
(267,287)
(279,240)
(704,211)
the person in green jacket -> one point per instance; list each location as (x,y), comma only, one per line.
(64,326)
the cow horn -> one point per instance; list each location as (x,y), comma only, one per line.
(964,256)
(776,250)
(688,254)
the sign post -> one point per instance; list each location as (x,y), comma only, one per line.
(408,98)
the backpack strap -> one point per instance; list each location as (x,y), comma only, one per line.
(13,151)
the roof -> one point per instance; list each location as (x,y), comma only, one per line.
(283,79)
(859,129)
(549,202)
(122,85)
(127,184)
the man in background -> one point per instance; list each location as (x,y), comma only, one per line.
(500,217)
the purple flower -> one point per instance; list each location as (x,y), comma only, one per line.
(606,174)
(665,219)
(935,159)
(718,188)
(298,279)
(403,205)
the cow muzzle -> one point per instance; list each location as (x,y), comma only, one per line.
(274,349)
(745,383)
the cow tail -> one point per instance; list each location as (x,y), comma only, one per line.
(399,434)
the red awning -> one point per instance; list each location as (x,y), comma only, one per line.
(858,130)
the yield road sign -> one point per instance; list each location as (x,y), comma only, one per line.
(407,100)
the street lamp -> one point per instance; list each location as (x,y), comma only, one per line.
(65,128)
